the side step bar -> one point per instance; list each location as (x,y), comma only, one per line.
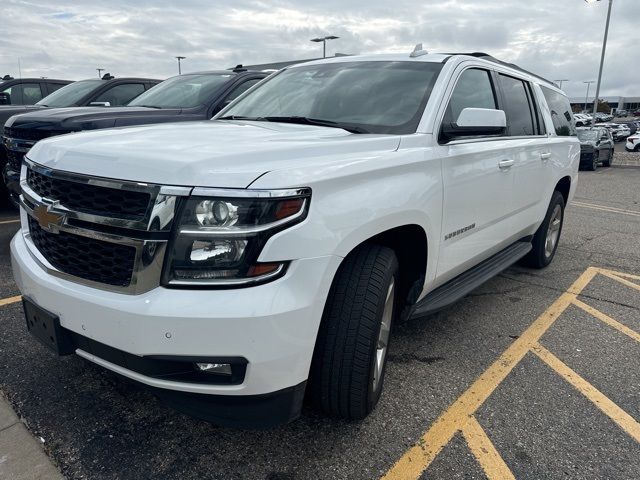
(464,283)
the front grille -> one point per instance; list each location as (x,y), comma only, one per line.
(31,133)
(92,199)
(14,160)
(83,257)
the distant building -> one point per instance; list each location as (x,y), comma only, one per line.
(616,103)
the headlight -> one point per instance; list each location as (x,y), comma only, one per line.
(222,232)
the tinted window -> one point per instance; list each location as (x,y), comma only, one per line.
(183,91)
(240,89)
(473,90)
(120,94)
(52,87)
(24,93)
(517,106)
(377,97)
(69,95)
(560,112)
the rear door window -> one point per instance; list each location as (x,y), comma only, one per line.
(519,111)
(560,112)
(24,93)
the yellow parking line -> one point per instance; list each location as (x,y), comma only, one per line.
(608,320)
(613,411)
(620,274)
(485,452)
(417,458)
(7,301)
(17,220)
(606,209)
(606,273)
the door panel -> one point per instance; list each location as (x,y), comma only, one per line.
(477,195)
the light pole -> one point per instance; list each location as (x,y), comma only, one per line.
(100,70)
(324,43)
(179,68)
(604,47)
(560,81)
(586,98)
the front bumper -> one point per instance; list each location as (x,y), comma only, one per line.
(11,180)
(273,326)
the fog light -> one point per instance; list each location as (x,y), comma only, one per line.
(219,368)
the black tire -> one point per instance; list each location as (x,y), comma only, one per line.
(341,381)
(538,256)
(607,162)
(594,162)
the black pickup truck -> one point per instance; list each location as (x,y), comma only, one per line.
(193,96)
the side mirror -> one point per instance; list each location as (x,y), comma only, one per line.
(100,104)
(5,99)
(474,122)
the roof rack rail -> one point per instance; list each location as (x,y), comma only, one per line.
(489,58)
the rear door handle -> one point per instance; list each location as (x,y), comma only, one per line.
(545,156)
(504,164)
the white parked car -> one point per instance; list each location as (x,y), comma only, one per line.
(582,120)
(325,204)
(633,143)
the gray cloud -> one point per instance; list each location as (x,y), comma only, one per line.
(557,39)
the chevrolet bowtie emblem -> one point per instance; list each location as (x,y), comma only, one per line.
(48,220)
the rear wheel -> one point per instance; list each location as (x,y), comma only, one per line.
(348,367)
(545,241)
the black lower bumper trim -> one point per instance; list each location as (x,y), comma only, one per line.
(238,411)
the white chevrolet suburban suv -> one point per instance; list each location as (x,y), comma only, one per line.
(234,265)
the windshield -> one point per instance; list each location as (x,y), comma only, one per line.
(586,135)
(69,95)
(183,91)
(372,97)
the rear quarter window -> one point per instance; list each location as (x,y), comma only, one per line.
(560,110)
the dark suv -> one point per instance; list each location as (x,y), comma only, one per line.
(194,96)
(27,91)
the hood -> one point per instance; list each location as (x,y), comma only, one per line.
(8,111)
(228,154)
(90,118)
(587,144)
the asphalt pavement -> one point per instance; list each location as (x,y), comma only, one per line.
(534,375)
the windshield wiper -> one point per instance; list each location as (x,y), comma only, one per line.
(317,121)
(301,121)
(242,117)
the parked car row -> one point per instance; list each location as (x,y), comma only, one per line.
(195,96)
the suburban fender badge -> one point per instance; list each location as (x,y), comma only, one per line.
(48,220)
(459,231)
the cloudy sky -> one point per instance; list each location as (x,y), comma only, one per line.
(559,39)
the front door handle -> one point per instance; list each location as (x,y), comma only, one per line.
(504,164)
(545,156)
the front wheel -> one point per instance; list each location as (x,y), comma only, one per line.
(545,241)
(607,162)
(594,162)
(348,366)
